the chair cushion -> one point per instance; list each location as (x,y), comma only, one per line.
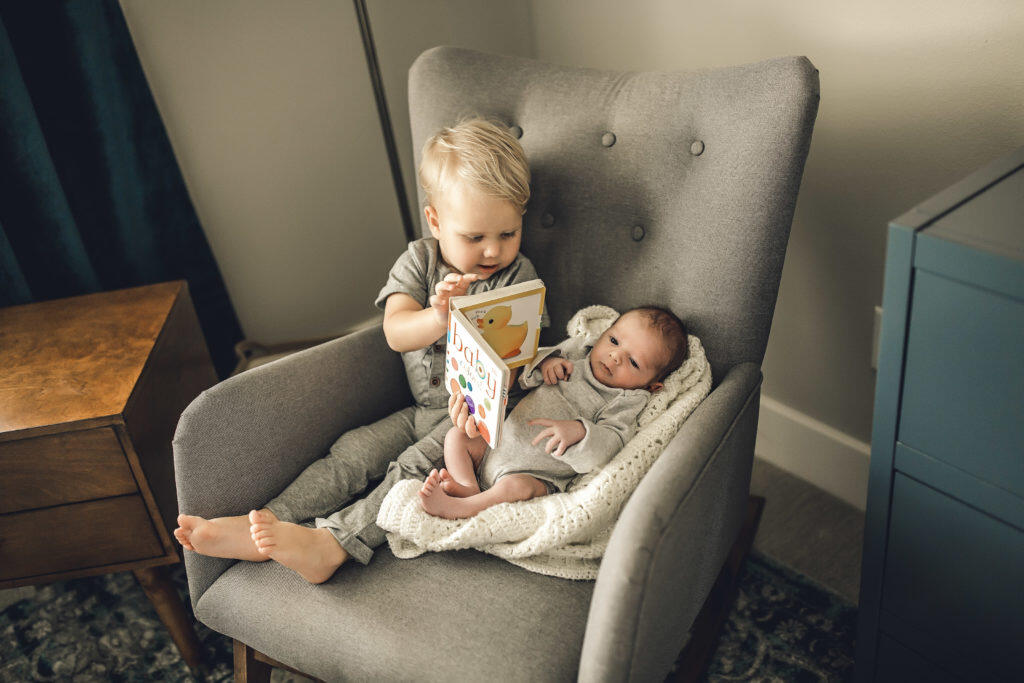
(444,616)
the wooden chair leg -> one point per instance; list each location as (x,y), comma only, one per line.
(156,583)
(248,669)
(253,665)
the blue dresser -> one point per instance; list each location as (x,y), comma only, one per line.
(942,587)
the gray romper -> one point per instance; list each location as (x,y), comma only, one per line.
(608,414)
(404,445)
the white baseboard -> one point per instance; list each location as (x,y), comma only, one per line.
(824,456)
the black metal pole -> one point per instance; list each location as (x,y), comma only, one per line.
(385,117)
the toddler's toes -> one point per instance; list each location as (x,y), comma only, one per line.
(262,517)
(183,539)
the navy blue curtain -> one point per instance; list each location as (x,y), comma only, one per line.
(91,197)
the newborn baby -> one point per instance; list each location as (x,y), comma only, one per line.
(586,402)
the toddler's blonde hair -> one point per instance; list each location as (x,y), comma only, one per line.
(479,152)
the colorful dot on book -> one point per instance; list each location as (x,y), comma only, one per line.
(480,410)
(455,385)
(482,428)
(462,381)
(470,405)
(487,402)
(455,363)
(469,386)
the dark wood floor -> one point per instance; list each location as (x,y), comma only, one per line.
(809,530)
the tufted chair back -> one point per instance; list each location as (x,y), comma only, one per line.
(675,189)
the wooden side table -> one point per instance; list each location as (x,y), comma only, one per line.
(91,388)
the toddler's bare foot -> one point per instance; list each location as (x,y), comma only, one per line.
(454,488)
(438,503)
(313,554)
(218,537)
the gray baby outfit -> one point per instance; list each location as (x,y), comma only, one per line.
(404,445)
(608,414)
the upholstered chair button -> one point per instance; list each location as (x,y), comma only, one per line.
(697,148)
(638,233)
(547,220)
(516,131)
(608,139)
(434,381)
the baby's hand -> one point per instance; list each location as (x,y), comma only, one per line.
(560,434)
(554,369)
(453,284)
(459,412)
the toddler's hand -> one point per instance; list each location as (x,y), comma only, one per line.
(459,412)
(560,434)
(453,284)
(554,369)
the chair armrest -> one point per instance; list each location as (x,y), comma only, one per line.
(239,443)
(673,536)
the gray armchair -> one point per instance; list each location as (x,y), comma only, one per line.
(670,188)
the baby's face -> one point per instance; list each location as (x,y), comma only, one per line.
(629,355)
(477,233)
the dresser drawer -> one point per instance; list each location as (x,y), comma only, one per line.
(63,468)
(953,573)
(899,664)
(77,536)
(963,385)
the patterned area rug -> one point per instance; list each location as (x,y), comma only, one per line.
(782,628)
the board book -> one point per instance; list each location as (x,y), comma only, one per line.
(489,334)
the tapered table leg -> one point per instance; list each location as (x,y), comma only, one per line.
(156,582)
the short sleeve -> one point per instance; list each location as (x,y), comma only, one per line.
(408,276)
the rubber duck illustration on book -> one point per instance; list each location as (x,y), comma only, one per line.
(505,339)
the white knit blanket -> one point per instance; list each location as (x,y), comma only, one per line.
(562,534)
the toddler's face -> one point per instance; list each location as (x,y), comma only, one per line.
(477,233)
(629,355)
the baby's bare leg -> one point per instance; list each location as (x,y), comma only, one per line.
(461,457)
(218,537)
(508,489)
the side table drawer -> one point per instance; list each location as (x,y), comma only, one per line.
(99,532)
(953,574)
(62,468)
(963,385)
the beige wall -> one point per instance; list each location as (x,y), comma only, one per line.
(914,95)
(402,29)
(270,111)
(271,114)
